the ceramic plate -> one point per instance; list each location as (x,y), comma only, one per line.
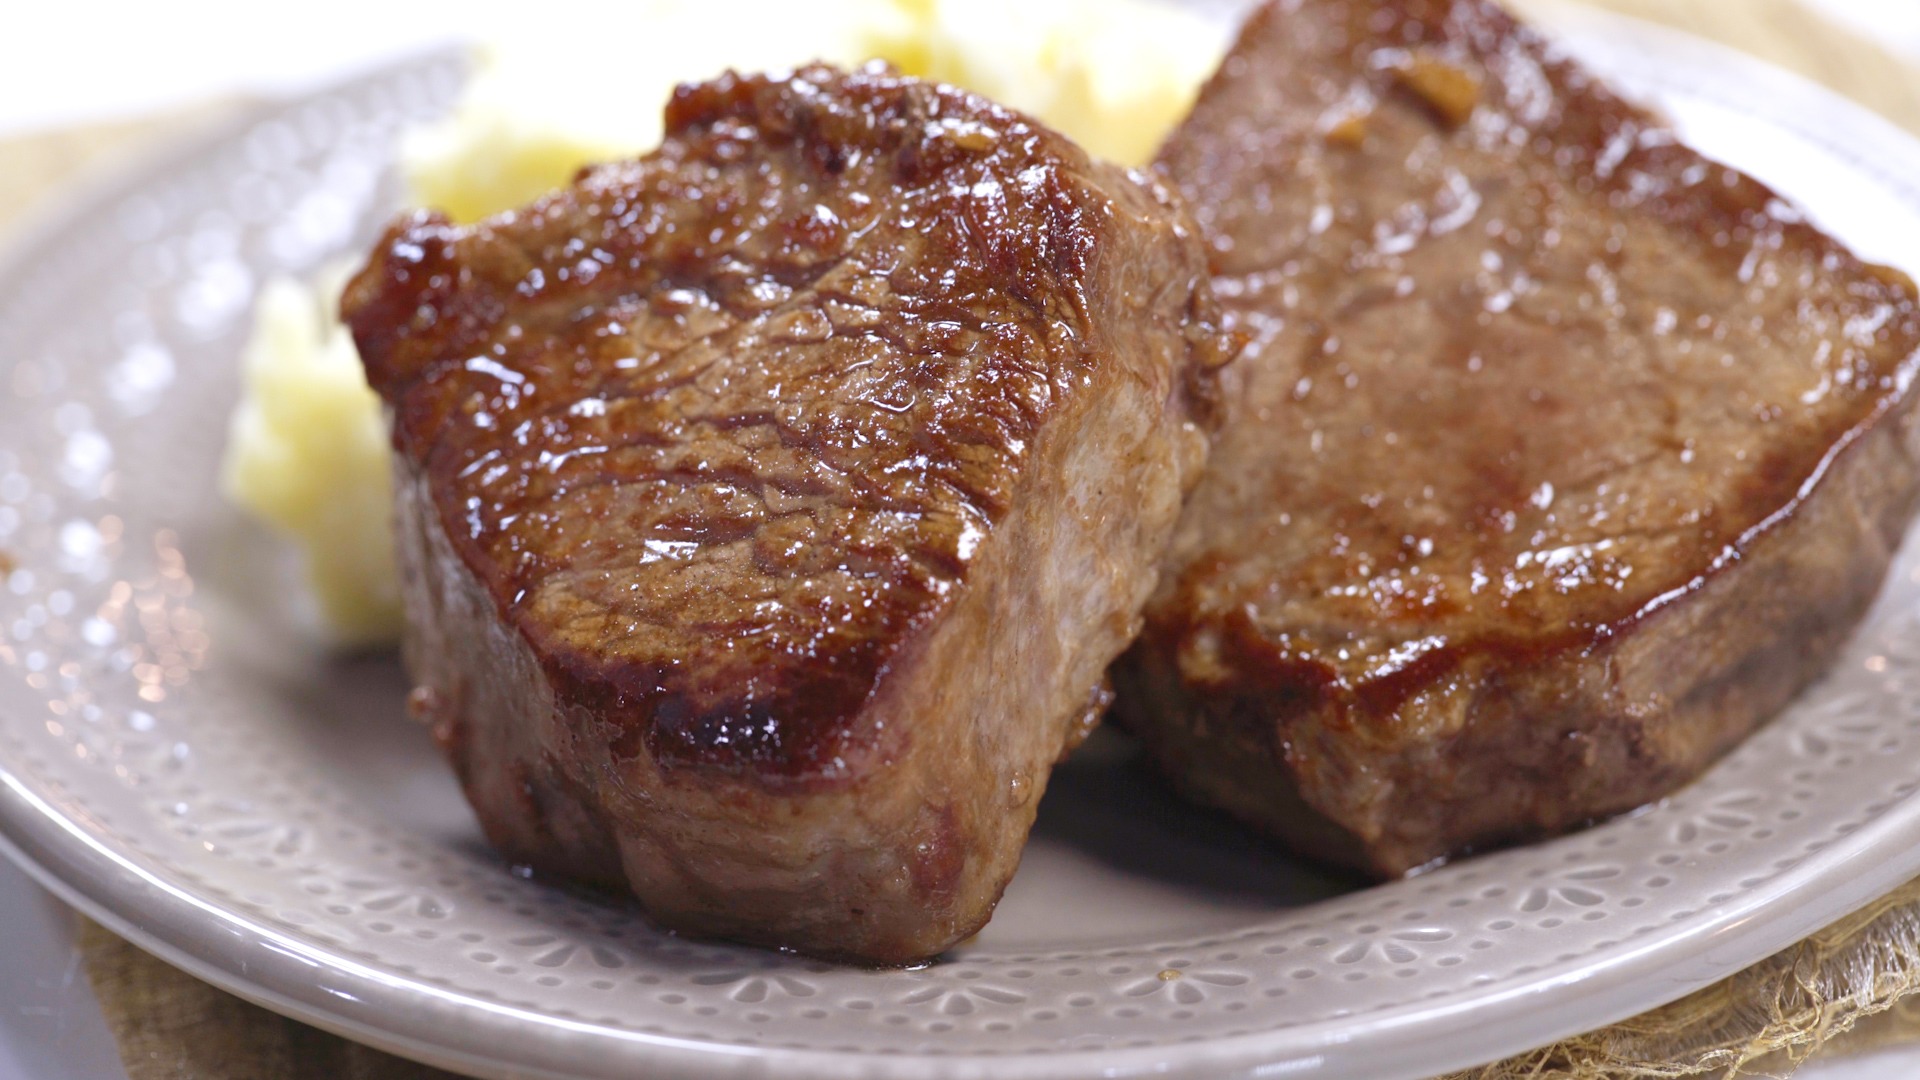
(182,762)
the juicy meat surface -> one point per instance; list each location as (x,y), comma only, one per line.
(1561,456)
(771,506)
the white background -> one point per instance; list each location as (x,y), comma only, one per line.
(68,62)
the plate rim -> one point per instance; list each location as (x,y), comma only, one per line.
(450,1029)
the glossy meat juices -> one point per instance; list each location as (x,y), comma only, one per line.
(771,505)
(1561,458)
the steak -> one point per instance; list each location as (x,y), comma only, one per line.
(770,507)
(1560,459)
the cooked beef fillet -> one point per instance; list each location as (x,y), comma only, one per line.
(1562,457)
(770,507)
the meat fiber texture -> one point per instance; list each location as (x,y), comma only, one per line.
(770,507)
(1562,457)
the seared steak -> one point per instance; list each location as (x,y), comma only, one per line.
(1562,457)
(771,506)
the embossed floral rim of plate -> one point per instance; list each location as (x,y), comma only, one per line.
(178,759)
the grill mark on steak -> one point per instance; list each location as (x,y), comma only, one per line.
(1533,386)
(772,504)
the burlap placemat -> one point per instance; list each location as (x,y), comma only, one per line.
(1843,990)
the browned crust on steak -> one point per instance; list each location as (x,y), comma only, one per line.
(1563,457)
(771,506)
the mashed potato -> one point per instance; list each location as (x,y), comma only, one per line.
(308,449)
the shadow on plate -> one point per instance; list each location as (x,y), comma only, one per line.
(1107,801)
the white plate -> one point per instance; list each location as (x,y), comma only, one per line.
(180,762)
